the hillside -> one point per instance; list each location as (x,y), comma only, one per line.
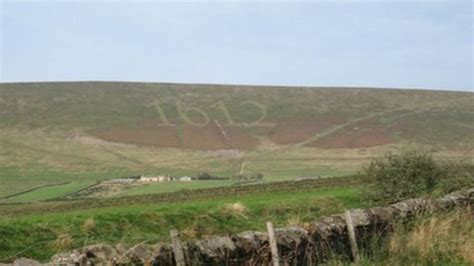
(57,138)
(320,117)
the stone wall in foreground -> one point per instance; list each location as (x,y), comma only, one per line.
(296,245)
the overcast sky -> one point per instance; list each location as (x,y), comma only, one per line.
(407,44)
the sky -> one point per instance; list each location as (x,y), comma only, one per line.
(397,44)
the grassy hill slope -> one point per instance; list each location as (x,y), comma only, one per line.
(68,135)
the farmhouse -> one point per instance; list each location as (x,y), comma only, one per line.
(148,179)
(186,179)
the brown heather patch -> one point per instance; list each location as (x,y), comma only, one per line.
(291,132)
(188,136)
(365,134)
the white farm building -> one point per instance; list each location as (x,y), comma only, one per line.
(148,179)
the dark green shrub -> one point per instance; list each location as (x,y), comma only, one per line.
(240,177)
(207,176)
(413,173)
(456,175)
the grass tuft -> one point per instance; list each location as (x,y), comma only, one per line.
(237,209)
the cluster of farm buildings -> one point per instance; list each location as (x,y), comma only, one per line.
(151,179)
(204,176)
(164,178)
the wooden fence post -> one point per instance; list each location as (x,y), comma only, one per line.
(273,244)
(352,236)
(177,248)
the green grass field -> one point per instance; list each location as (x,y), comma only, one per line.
(50,192)
(56,232)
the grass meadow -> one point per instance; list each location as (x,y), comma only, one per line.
(50,233)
